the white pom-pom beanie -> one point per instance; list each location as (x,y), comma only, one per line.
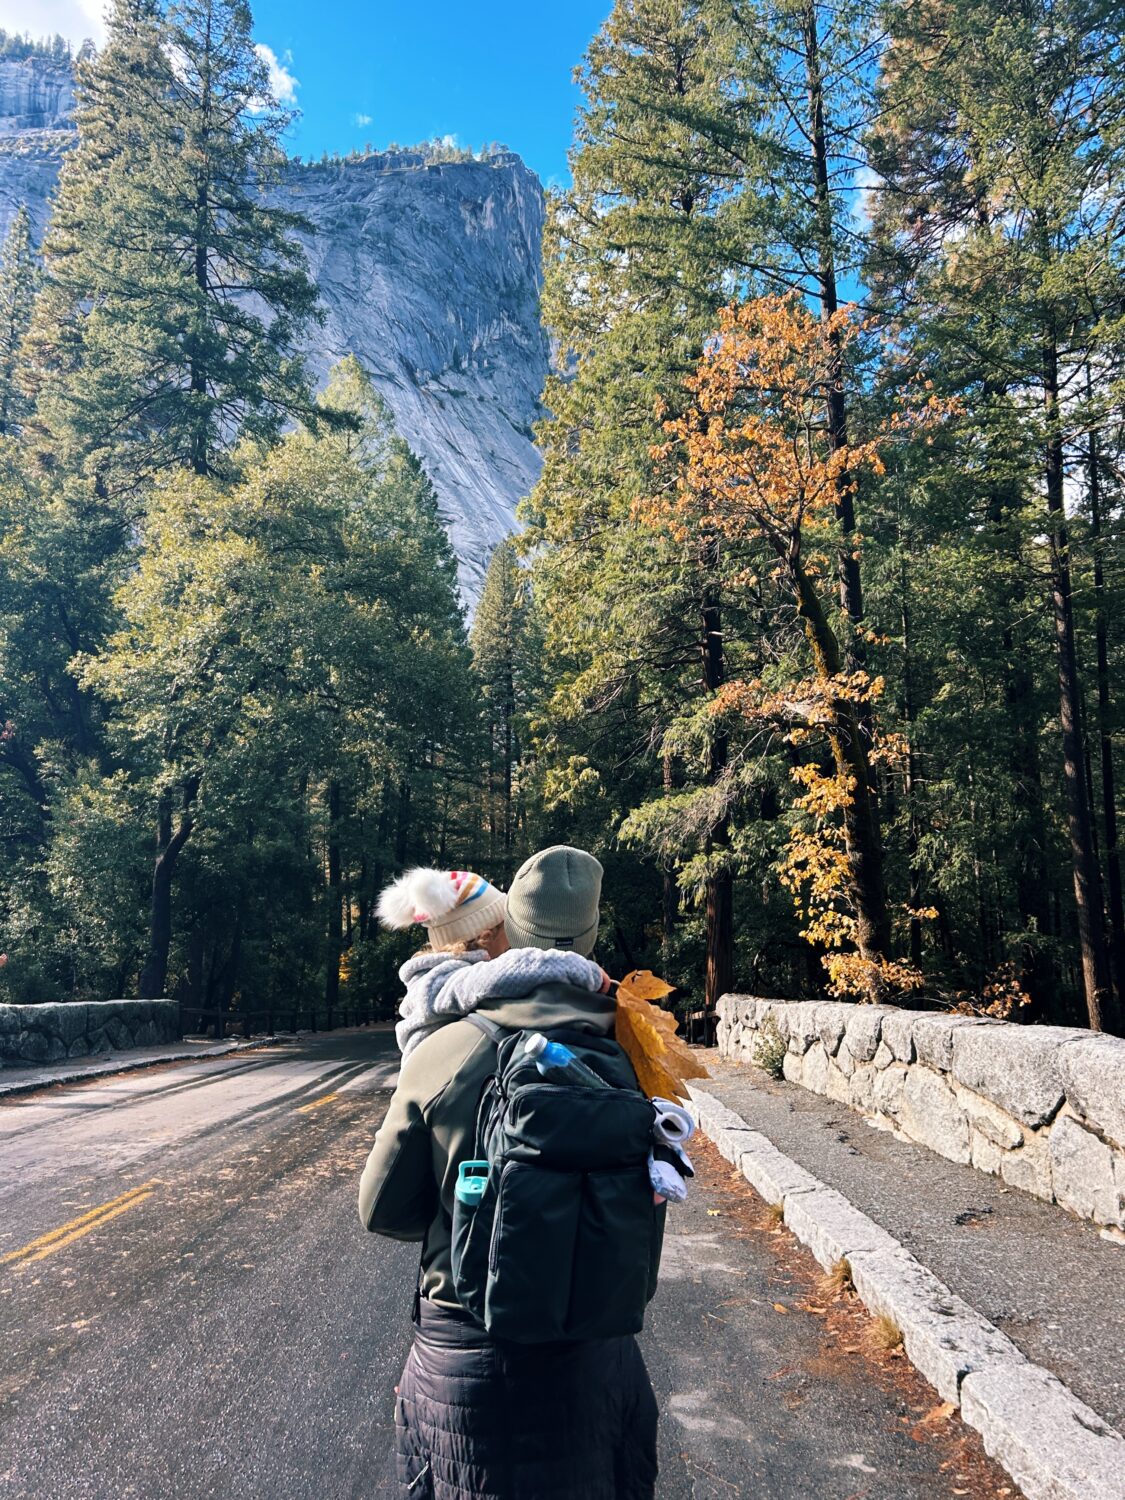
(455,906)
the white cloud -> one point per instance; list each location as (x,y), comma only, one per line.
(282,83)
(361,119)
(74,19)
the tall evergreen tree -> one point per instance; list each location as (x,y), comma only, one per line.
(174,291)
(638,255)
(506,655)
(17,296)
(1002,147)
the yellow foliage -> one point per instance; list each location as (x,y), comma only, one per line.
(661,1059)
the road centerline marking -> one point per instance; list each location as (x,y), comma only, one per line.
(74,1229)
(303,1109)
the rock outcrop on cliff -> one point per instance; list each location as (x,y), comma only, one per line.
(428,273)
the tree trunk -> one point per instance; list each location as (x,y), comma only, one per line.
(1038,975)
(862,834)
(719,977)
(335,927)
(1087,894)
(911,776)
(402,828)
(849,580)
(1105,742)
(154,974)
(669,896)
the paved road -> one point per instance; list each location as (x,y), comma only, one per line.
(188,1307)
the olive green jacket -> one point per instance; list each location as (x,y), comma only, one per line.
(406,1191)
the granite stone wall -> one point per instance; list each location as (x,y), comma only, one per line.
(32,1034)
(1043,1107)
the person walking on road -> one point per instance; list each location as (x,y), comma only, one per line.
(524,1381)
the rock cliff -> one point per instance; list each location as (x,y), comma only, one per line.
(429,274)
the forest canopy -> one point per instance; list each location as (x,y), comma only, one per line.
(812,627)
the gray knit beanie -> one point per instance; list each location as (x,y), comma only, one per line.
(553,901)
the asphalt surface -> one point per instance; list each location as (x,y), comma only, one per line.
(1052,1282)
(189,1307)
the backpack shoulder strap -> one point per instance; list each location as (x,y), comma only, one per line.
(490,1028)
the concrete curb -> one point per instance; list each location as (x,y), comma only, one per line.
(1053,1445)
(125,1064)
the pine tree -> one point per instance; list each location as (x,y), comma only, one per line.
(637,259)
(1002,149)
(506,653)
(174,292)
(17,296)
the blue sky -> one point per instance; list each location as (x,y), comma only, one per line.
(388,71)
(439,68)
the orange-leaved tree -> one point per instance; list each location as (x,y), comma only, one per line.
(752,463)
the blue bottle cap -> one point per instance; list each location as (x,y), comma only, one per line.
(472,1179)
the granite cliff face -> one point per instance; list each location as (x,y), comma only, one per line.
(428,273)
(36,93)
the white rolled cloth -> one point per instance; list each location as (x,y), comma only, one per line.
(673,1125)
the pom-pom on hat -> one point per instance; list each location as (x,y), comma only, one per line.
(454,906)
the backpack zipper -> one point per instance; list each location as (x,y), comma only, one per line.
(498,1220)
(421,1474)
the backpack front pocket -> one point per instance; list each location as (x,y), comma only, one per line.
(612,1255)
(531,1254)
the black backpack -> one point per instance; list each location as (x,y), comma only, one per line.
(565,1240)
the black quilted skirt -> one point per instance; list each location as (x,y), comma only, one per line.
(481,1419)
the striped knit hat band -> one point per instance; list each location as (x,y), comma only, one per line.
(455,906)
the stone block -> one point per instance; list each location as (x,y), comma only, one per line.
(861,1036)
(1053,1445)
(861,1085)
(845,1062)
(932,1036)
(803,1026)
(931,1115)
(990,1120)
(883,1055)
(985,1154)
(36,1047)
(943,1336)
(70,1023)
(1017,1067)
(886,1090)
(730,1140)
(777,1012)
(1093,1076)
(96,1042)
(119,1033)
(833,1022)
(1083,1175)
(9,1021)
(711,1113)
(1029,1168)
(815,1071)
(831,1227)
(793,1069)
(146,1034)
(897,1034)
(771,1173)
(837,1084)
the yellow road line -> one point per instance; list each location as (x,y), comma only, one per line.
(303,1109)
(74,1229)
(122,1208)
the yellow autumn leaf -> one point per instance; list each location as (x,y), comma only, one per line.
(660,1058)
(643,984)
